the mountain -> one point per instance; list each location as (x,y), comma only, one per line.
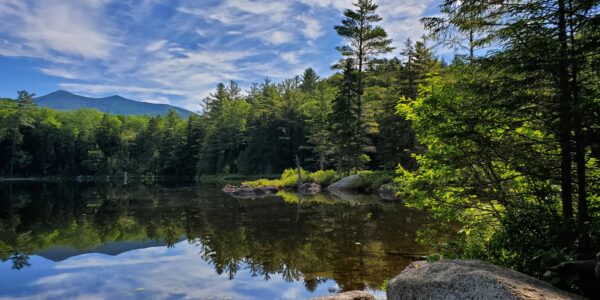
(63,100)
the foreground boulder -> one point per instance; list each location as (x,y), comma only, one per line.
(345,184)
(352,295)
(309,188)
(246,191)
(468,279)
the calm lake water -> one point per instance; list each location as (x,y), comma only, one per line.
(104,241)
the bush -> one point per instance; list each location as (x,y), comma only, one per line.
(289,178)
(324,177)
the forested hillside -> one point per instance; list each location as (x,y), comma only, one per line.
(63,100)
(503,140)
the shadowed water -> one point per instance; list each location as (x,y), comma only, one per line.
(65,241)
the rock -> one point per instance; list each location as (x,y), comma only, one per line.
(229,188)
(597,267)
(352,295)
(584,274)
(387,192)
(245,191)
(309,188)
(346,183)
(468,279)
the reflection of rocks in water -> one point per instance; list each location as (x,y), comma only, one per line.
(310,238)
(247,192)
(309,188)
(354,197)
(351,295)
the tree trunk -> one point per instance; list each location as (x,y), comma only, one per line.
(564,118)
(582,203)
(299,170)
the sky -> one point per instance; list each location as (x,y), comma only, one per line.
(176,51)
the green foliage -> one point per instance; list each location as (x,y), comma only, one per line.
(86,142)
(506,155)
(289,178)
(384,285)
(324,177)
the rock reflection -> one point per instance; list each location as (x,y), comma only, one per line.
(358,244)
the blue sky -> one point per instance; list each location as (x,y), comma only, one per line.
(175,51)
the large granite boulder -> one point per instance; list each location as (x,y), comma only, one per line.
(345,184)
(309,188)
(352,295)
(468,279)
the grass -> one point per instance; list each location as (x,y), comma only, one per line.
(289,178)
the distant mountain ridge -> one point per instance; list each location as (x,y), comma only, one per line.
(64,100)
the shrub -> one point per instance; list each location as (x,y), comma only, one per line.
(324,177)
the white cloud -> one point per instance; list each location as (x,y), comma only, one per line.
(337,4)
(279,37)
(156,45)
(98,89)
(290,57)
(45,29)
(312,28)
(60,72)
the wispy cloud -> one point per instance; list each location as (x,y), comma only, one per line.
(48,29)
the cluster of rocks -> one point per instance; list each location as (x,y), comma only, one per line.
(351,295)
(344,189)
(246,191)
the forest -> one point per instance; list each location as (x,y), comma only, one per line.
(503,140)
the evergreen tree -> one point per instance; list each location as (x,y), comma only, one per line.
(310,80)
(21,121)
(365,40)
(343,121)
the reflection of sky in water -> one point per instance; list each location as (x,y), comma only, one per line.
(156,272)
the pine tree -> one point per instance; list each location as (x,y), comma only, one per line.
(365,39)
(344,121)
(22,119)
(310,79)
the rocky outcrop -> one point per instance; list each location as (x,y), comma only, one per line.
(246,191)
(309,188)
(352,295)
(585,274)
(468,279)
(387,192)
(345,184)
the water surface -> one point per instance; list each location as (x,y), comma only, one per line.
(88,241)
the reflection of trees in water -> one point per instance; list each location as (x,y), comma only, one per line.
(19,261)
(312,239)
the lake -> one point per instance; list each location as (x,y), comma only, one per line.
(109,241)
